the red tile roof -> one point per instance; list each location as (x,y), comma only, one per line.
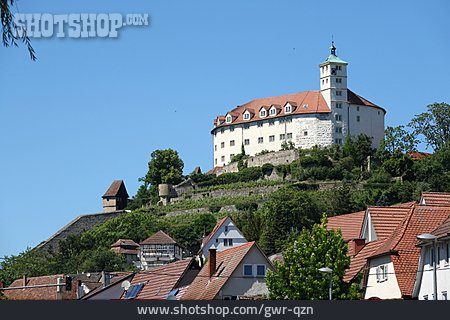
(214,230)
(359,261)
(350,224)
(386,219)
(125,243)
(416,155)
(205,288)
(161,280)
(435,198)
(116,188)
(442,230)
(159,237)
(44,293)
(303,102)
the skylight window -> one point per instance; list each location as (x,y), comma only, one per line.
(133,291)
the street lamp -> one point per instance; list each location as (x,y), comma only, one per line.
(426,237)
(330,272)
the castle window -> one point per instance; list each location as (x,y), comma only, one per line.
(358,118)
(231,143)
(271,138)
(282,136)
(222,145)
(339,105)
(260,140)
(262,113)
(323,81)
(231,156)
(228,120)
(246,116)
(305,133)
(338,80)
(273,111)
(338,129)
(339,67)
(287,108)
(338,117)
(215,147)
(223,158)
(326,80)
(215,160)
(246,126)
(338,141)
(246,142)
(231,129)
(288,120)
(271,123)
(339,93)
(289,135)
(260,124)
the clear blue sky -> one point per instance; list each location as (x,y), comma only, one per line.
(91,111)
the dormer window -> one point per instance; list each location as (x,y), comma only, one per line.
(228,119)
(273,111)
(288,108)
(263,113)
(246,116)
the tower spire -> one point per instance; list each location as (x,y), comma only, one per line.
(333,48)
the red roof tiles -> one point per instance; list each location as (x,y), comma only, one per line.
(159,237)
(435,198)
(350,224)
(117,188)
(43,293)
(386,219)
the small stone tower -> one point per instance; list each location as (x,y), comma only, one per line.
(116,197)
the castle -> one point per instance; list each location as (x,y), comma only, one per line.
(323,118)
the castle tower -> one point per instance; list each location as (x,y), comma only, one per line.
(116,197)
(333,87)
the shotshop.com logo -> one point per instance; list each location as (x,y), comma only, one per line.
(75,25)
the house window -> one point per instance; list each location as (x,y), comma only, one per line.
(260,140)
(246,126)
(231,143)
(222,130)
(282,136)
(217,240)
(447,258)
(323,81)
(338,117)
(228,119)
(215,160)
(357,108)
(272,111)
(231,156)
(262,113)
(231,129)
(248,270)
(358,118)
(271,123)
(230,242)
(338,129)
(338,80)
(222,145)
(215,147)
(271,138)
(223,158)
(305,133)
(261,270)
(289,135)
(288,108)
(246,142)
(225,242)
(425,297)
(382,273)
(338,141)
(246,116)
(338,93)
(226,228)
(260,124)
(339,105)
(326,80)
(444,295)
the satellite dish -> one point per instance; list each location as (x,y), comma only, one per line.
(125,285)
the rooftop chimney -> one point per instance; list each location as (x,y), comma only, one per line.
(358,244)
(105,278)
(25,280)
(211,262)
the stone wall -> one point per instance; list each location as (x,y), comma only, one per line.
(77,226)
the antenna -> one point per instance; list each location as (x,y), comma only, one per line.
(125,285)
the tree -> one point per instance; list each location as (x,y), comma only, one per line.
(358,147)
(433,125)
(286,212)
(10,35)
(165,166)
(298,278)
(398,139)
(103,260)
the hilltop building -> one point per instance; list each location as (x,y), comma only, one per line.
(116,197)
(322,117)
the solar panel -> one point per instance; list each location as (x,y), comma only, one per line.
(133,291)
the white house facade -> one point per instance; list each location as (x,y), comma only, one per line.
(225,235)
(308,118)
(381,280)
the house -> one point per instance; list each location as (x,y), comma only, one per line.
(116,197)
(321,117)
(435,198)
(167,282)
(224,235)
(158,249)
(46,290)
(128,248)
(235,273)
(109,286)
(424,286)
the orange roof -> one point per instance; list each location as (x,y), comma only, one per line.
(159,281)
(125,243)
(43,293)
(117,187)
(205,288)
(443,230)
(306,102)
(416,155)
(358,262)
(350,224)
(423,219)
(386,219)
(214,230)
(159,237)
(435,198)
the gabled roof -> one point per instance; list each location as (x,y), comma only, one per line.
(159,281)
(350,224)
(115,277)
(205,288)
(358,262)
(386,219)
(214,230)
(442,230)
(435,198)
(44,293)
(159,237)
(117,188)
(125,243)
(417,155)
(403,242)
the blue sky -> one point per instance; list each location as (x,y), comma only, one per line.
(89,111)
